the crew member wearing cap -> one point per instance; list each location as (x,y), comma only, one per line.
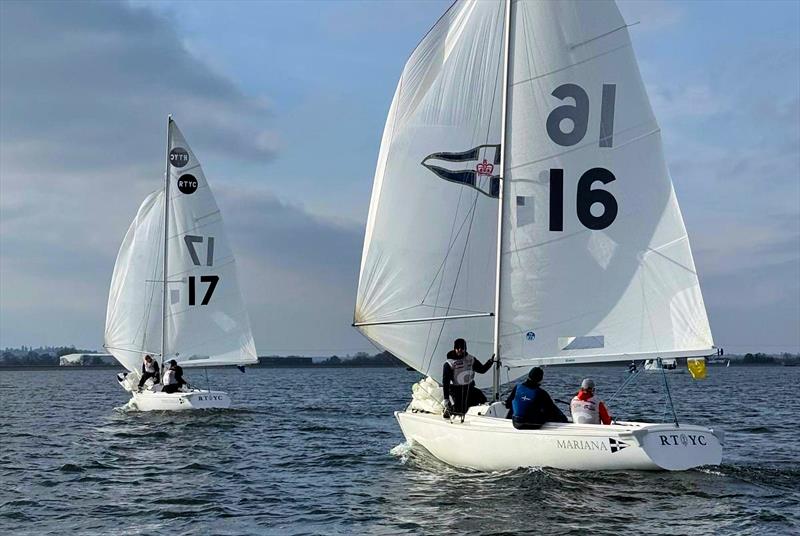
(531,406)
(458,375)
(587,408)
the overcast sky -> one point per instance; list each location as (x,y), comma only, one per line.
(284,103)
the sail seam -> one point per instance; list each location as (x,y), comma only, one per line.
(571,65)
(589,144)
(573,47)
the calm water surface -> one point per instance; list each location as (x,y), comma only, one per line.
(315,451)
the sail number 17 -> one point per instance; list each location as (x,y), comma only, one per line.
(578,115)
(191,241)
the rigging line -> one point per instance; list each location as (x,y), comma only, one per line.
(458,273)
(621,388)
(451,243)
(669,395)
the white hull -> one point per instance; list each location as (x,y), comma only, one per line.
(652,366)
(192,400)
(665,371)
(486,443)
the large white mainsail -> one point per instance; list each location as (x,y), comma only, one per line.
(596,261)
(431,230)
(207,322)
(205,317)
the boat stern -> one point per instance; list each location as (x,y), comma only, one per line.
(677,448)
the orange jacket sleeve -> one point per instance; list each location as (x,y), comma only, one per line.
(605,418)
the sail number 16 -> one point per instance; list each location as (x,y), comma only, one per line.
(578,114)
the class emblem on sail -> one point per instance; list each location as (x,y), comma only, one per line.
(477,168)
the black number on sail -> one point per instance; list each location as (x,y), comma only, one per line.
(191,240)
(585,199)
(588,197)
(212,281)
(578,115)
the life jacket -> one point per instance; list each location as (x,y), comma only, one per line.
(524,398)
(587,409)
(463,374)
(169,377)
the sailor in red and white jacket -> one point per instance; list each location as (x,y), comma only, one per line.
(588,409)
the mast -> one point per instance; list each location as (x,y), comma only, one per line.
(166,246)
(503,123)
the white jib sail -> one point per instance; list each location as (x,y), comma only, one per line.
(133,316)
(596,259)
(429,249)
(207,323)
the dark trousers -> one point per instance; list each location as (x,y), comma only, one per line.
(171,388)
(146,376)
(465,396)
(522,425)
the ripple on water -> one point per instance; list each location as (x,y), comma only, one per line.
(290,461)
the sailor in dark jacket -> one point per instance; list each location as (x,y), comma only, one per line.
(531,405)
(178,373)
(458,374)
(149,370)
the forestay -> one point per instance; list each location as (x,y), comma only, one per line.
(429,249)
(596,261)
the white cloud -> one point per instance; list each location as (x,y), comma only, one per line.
(85,88)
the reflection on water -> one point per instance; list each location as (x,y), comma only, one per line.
(318,451)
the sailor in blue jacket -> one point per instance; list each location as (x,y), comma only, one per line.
(531,405)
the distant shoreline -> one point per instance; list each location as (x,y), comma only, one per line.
(121,369)
(620,364)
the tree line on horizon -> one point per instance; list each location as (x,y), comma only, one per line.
(49,356)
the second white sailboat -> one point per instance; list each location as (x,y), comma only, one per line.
(522,201)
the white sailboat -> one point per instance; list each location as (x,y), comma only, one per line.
(667,366)
(175,292)
(522,201)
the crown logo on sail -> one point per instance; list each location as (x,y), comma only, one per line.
(484,168)
(473,168)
